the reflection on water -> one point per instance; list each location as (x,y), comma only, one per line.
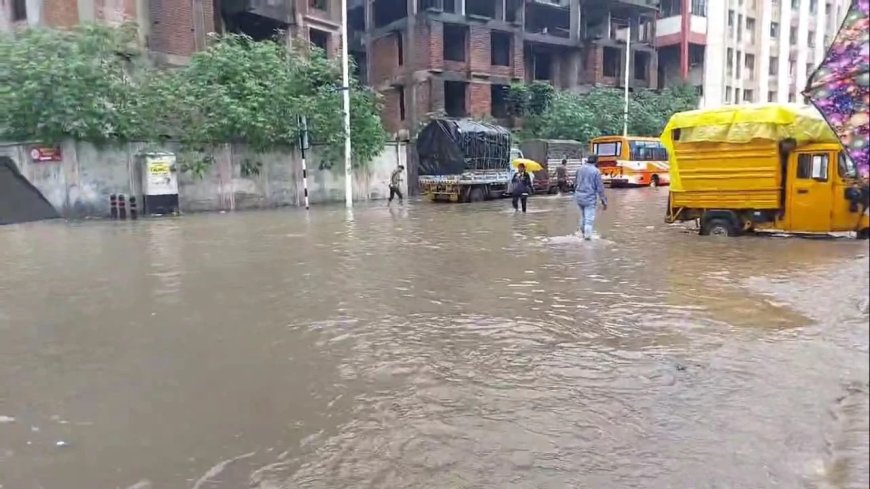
(429,346)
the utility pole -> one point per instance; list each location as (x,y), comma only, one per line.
(345,82)
(627,78)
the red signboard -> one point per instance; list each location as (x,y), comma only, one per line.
(42,153)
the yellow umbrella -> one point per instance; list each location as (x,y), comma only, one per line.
(531,165)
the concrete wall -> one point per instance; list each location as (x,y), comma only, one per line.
(80,184)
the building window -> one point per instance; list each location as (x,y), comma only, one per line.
(736,95)
(19,10)
(612,62)
(500,48)
(795,4)
(748,96)
(739,28)
(400,93)
(814,6)
(454,42)
(792,36)
(699,8)
(670,8)
(729,62)
(319,4)
(498,100)
(792,67)
(774,29)
(739,72)
(811,39)
(771,96)
(791,98)
(454,98)
(811,68)
(319,38)
(727,95)
(730,18)
(400,49)
(773,69)
(749,64)
(750,26)
(641,65)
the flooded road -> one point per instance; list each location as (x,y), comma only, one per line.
(438,346)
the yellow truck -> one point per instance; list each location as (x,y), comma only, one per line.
(774,167)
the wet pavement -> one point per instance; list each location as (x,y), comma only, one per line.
(442,346)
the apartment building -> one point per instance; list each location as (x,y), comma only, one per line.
(745,51)
(172,30)
(458,57)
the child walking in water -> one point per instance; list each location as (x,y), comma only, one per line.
(522,186)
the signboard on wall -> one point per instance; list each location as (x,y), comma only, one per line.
(42,154)
(160,175)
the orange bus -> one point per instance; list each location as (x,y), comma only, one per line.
(630,161)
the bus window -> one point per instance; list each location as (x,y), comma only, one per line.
(648,151)
(607,149)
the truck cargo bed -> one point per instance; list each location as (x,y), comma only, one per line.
(729,175)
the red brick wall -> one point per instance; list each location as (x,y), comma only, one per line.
(479,100)
(478,48)
(423,46)
(435,45)
(172,25)
(60,13)
(384,57)
(390,114)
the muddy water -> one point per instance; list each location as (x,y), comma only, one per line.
(444,346)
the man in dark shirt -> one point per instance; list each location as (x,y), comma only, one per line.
(562,176)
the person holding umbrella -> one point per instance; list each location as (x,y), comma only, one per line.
(521,182)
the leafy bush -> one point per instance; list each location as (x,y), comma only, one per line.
(85,84)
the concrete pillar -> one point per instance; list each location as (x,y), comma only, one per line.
(574,21)
(460,6)
(500,9)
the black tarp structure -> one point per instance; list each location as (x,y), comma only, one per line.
(451,147)
(20,201)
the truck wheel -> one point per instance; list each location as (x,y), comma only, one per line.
(718,227)
(864,233)
(476,195)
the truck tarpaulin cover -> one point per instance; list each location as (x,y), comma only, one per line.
(742,124)
(452,147)
(20,201)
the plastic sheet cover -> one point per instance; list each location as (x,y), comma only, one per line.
(452,147)
(743,123)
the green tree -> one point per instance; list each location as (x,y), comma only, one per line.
(600,112)
(84,84)
(56,84)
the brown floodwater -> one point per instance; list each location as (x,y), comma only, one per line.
(436,346)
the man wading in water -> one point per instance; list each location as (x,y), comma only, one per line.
(562,176)
(395,181)
(588,189)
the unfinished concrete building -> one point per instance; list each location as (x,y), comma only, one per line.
(458,57)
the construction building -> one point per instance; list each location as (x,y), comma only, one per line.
(754,50)
(172,30)
(457,57)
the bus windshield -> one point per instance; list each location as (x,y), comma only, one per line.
(648,151)
(609,148)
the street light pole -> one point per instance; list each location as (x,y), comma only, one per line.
(345,83)
(627,79)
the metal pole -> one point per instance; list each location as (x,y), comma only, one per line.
(627,78)
(303,145)
(345,81)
